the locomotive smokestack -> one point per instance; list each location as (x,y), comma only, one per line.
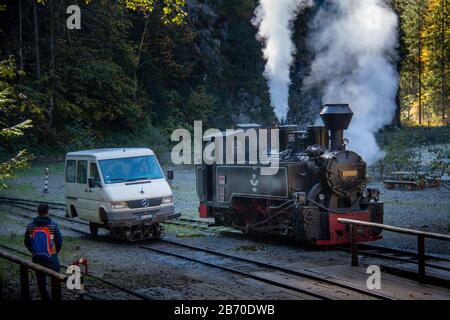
(336,118)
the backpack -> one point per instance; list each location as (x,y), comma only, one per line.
(41,243)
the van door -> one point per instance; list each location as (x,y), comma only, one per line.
(70,185)
(96,195)
(82,190)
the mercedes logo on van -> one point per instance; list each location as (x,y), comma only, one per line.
(145,203)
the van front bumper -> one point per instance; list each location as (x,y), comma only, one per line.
(147,217)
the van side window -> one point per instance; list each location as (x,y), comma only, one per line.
(94,173)
(82,171)
(71,168)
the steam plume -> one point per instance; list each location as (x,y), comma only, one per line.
(274,19)
(355,44)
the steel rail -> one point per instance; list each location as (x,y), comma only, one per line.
(54,205)
(27,216)
(131,292)
(344,248)
(62,204)
(27,207)
(235,271)
(278,268)
(31,206)
(203,262)
(262,279)
(90,275)
(33,201)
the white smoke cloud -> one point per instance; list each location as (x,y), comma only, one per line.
(355,44)
(274,19)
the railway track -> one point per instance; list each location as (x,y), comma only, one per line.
(296,280)
(91,276)
(368,249)
(261,270)
(308,285)
(182,221)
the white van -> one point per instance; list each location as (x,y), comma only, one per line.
(121,189)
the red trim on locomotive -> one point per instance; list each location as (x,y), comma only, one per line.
(340,234)
(203,210)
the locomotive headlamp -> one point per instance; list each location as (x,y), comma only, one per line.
(321,196)
(119,205)
(167,199)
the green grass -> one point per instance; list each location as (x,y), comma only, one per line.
(37,169)
(27,191)
(4,217)
(182,231)
(21,189)
(29,183)
(251,248)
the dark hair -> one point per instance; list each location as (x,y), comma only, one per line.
(43,209)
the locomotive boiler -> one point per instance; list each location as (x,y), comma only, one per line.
(318,181)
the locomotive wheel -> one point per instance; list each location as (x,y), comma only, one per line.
(93,228)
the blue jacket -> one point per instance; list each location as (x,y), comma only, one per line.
(53,228)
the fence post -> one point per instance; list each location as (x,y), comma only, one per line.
(56,289)
(24,283)
(46,180)
(354,245)
(421,257)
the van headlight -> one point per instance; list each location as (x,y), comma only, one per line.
(119,205)
(167,199)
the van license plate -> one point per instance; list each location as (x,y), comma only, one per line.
(146,216)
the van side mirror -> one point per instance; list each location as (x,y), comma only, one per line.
(91,182)
(170,174)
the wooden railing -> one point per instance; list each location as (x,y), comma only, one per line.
(25,266)
(421,235)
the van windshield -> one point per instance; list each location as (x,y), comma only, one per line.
(130,169)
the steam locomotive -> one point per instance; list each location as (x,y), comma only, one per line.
(317,182)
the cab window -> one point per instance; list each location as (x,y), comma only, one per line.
(82,172)
(71,167)
(94,173)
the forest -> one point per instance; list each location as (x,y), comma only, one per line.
(138,69)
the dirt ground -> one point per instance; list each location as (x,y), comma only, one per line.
(164,277)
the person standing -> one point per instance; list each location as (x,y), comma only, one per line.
(44,240)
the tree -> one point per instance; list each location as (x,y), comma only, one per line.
(36,40)
(437,62)
(425,65)
(8,106)
(172,13)
(199,106)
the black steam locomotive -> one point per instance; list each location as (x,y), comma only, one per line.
(318,181)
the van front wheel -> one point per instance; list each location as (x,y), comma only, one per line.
(93,228)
